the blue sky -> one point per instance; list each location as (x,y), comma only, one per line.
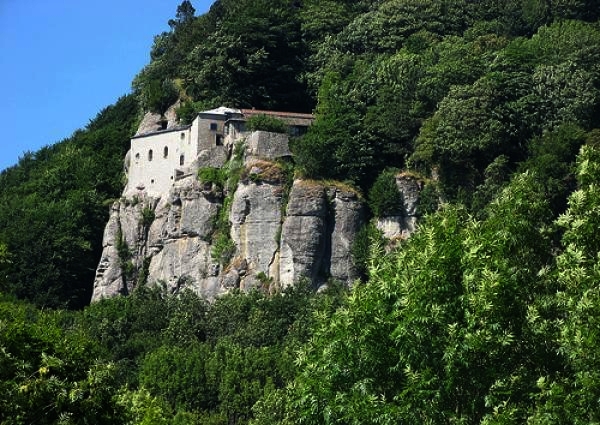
(63,61)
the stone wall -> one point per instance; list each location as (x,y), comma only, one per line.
(170,150)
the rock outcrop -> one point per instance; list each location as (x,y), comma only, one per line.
(404,222)
(281,233)
(275,232)
(168,241)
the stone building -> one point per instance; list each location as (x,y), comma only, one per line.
(166,152)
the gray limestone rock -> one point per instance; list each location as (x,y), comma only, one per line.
(403,224)
(266,145)
(348,217)
(303,233)
(151,120)
(410,187)
(175,243)
(319,228)
(123,242)
(255,225)
(313,240)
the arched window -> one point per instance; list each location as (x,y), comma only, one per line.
(181,160)
(150,155)
(165,152)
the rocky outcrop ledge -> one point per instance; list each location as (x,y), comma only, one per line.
(169,240)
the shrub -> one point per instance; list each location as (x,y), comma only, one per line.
(188,111)
(429,199)
(384,197)
(223,248)
(266,123)
(148,217)
(366,237)
(212,175)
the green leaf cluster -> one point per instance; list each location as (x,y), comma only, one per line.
(151,357)
(53,208)
(262,122)
(471,320)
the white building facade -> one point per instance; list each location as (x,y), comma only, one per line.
(158,158)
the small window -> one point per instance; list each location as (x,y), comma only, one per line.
(152,181)
(181,160)
(182,136)
(150,155)
(137,155)
(213,126)
(165,152)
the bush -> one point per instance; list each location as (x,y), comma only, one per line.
(148,217)
(429,199)
(362,246)
(212,175)
(223,248)
(384,197)
(266,123)
(188,111)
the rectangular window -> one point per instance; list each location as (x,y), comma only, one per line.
(213,126)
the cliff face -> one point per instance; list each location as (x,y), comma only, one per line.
(277,233)
(170,240)
(403,222)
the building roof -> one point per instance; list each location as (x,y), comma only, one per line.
(291,118)
(168,130)
(221,110)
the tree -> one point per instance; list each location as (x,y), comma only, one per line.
(252,59)
(384,197)
(572,394)
(59,194)
(185,15)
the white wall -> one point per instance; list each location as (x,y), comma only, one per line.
(157,175)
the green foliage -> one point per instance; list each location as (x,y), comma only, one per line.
(179,376)
(488,314)
(429,199)
(365,246)
(148,216)
(59,194)
(262,122)
(142,408)
(333,147)
(252,57)
(572,394)
(49,372)
(212,175)
(223,248)
(157,95)
(149,358)
(184,16)
(384,197)
(458,293)
(188,111)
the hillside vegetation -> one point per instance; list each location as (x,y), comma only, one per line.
(489,314)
